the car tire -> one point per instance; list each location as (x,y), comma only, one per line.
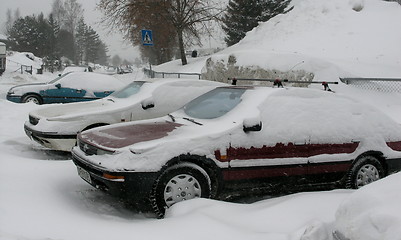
(365,170)
(32,98)
(180,182)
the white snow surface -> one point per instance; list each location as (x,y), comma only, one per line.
(42,197)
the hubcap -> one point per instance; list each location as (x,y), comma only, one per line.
(367,174)
(32,99)
(181,187)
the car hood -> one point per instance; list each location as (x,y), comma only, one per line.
(30,86)
(123,136)
(71,110)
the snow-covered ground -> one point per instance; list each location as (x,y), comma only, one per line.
(42,197)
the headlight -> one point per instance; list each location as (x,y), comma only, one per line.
(91,150)
(33,120)
(102,152)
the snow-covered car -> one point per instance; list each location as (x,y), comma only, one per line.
(372,212)
(57,126)
(76,69)
(70,87)
(238,139)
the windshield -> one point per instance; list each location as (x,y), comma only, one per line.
(59,77)
(131,89)
(214,104)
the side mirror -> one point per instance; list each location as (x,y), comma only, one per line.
(58,85)
(148,103)
(253,128)
(252,125)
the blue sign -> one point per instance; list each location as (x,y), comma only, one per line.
(147,38)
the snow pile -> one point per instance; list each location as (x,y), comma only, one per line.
(16,59)
(372,212)
(347,38)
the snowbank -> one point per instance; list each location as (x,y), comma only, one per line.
(373,212)
(356,38)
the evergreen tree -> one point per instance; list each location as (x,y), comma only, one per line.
(87,43)
(93,43)
(102,57)
(243,15)
(23,35)
(80,41)
(53,46)
(66,43)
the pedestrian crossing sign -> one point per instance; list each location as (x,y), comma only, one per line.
(147,38)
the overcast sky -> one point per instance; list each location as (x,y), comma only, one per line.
(92,17)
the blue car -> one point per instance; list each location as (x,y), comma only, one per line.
(70,87)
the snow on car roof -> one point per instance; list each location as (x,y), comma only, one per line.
(91,81)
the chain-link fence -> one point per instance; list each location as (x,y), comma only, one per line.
(376,84)
(154,74)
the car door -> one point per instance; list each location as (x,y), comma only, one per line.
(59,93)
(267,163)
(275,153)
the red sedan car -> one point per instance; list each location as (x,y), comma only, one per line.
(236,139)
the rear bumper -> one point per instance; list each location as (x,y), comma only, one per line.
(52,140)
(135,187)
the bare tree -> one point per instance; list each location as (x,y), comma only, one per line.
(10,19)
(73,13)
(58,12)
(187,18)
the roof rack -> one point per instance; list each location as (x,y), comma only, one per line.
(279,82)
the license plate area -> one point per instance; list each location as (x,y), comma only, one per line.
(84,174)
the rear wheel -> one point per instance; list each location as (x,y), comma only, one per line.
(32,98)
(366,170)
(178,183)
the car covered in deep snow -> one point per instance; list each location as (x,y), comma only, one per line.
(237,139)
(67,88)
(57,126)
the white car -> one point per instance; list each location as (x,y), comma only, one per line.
(56,126)
(240,139)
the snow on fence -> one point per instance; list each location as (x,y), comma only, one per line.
(281,82)
(376,84)
(153,74)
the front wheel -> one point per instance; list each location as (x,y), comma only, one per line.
(32,98)
(366,170)
(180,182)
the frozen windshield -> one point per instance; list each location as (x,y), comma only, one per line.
(129,90)
(214,104)
(59,77)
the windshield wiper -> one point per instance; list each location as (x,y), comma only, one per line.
(191,120)
(109,99)
(172,117)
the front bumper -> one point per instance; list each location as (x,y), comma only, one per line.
(14,98)
(133,187)
(52,140)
